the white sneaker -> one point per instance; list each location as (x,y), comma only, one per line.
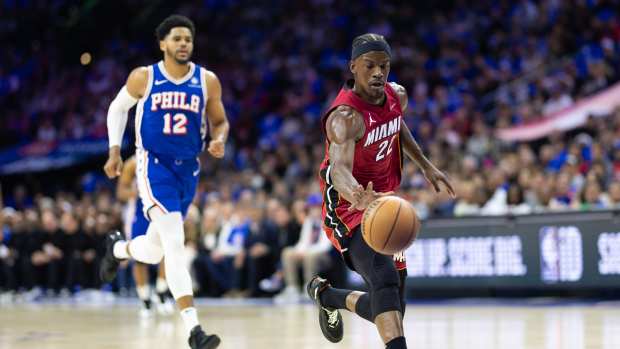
(145,312)
(289,295)
(271,284)
(166,308)
(32,295)
(6,298)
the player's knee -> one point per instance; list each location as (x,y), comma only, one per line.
(152,235)
(155,254)
(384,279)
(170,229)
(385,299)
(144,251)
(174,239)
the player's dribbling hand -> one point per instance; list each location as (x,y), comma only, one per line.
(114,165)
(363,197)
(434,177)
(216,148)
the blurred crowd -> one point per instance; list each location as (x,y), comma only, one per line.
(503,62)
(469,69)
(52,246)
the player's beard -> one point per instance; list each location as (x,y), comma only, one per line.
(176,58)
(374,93)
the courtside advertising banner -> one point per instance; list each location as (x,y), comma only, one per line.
(572,250)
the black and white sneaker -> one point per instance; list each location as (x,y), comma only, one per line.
(109,263)
(330,319)
(198,339)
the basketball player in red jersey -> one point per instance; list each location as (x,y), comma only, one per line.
(366,141)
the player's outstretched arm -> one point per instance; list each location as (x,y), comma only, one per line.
(344,127)
(218,122)
(414,152)
(126,98)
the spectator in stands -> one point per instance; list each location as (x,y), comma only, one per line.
(7,256)
(276,281)
(70,272)
(263,245)
(211,228)
(590,197)
(563,194)
(34,260)
(220,258)
(17,249)
(614,195)
(50,254)
(311,252)
(87,254)
(516,201)
(466,204)
(497,185)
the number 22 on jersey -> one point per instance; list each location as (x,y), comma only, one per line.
(179,127)
(386,144)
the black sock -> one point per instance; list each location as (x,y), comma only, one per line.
(147,303)
(334,297)
(162,297)
(397,343)
(362,307)
(402,290)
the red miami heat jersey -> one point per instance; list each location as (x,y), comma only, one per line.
(378,158)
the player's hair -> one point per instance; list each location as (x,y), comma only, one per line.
(368,37)
(173,21)
(369,42)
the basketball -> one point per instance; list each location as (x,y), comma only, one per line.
(390,225)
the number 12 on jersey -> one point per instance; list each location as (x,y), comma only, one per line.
(179,127)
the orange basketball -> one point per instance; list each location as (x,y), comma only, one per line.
(390,225)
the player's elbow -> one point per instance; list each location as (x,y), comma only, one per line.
(221,124)
(121,103)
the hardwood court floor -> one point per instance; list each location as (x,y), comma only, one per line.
(440,326)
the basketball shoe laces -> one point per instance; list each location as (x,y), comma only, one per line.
(332,317)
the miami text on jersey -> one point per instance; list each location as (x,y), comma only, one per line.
(382,131)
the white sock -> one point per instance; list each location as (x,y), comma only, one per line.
(161,285)
(144,292)
(120,250)
(190,319)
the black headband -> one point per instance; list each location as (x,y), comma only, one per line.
(371,46)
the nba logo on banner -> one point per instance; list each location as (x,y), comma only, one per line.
(561,255)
